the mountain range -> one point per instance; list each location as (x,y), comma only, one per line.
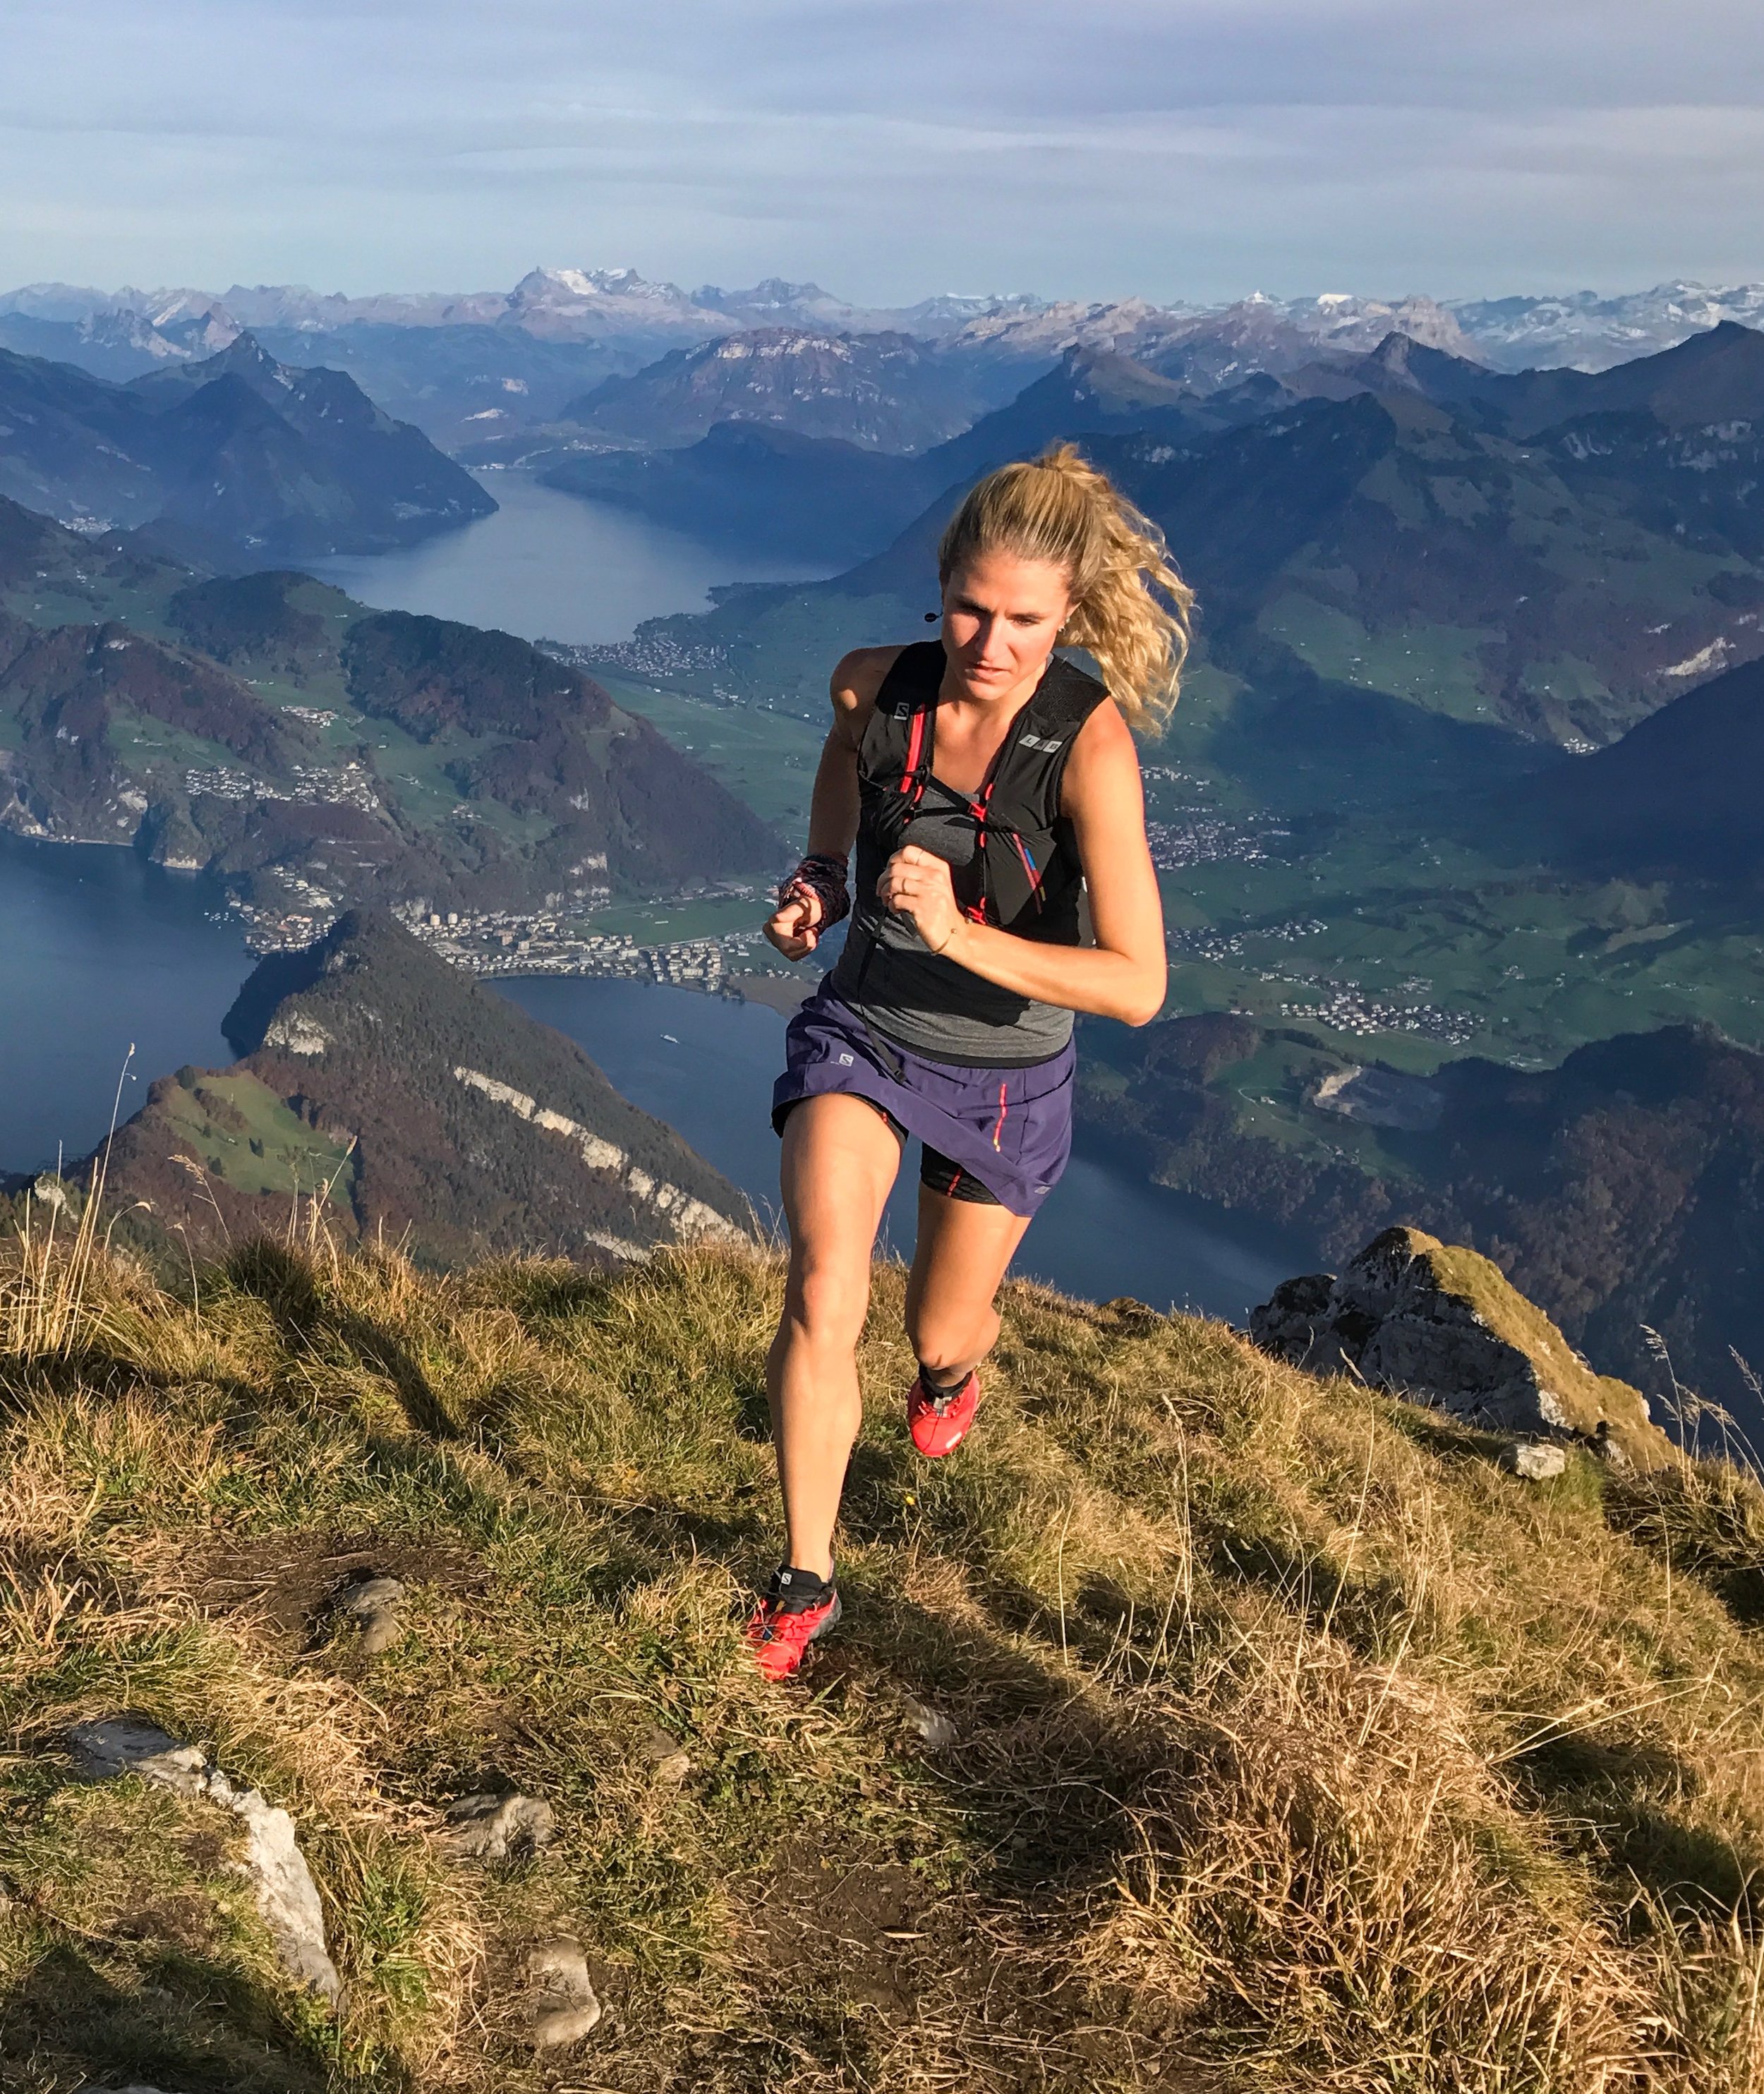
(1416,525)
(1584,327)
(235,459)
(464,366)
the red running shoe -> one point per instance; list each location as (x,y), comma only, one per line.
(798,1610)
(940,1421)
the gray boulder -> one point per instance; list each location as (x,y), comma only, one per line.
(375,1607)
(564,2005)
(1535,1460)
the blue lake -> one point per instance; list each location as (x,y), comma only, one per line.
(549,566)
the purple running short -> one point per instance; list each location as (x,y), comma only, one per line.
(1010,1128)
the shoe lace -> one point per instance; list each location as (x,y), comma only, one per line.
(942,1403)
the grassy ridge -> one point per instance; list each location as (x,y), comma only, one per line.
(1295,1746)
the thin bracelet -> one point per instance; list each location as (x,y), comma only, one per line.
(937,952)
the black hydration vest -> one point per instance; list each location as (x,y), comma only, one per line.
(1025,876)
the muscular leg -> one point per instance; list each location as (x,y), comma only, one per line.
(840,1160)
(962,1250)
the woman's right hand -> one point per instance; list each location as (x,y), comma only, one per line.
(794,927)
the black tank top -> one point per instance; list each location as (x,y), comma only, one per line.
(1012,858)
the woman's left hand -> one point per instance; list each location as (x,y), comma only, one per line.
(915,882)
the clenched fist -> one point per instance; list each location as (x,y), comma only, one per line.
(916,884)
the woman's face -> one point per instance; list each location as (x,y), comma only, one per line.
(1001,616)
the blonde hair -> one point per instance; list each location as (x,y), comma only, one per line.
(1131,608)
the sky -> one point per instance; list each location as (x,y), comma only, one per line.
(888,148)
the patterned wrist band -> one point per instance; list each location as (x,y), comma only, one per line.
(821,877)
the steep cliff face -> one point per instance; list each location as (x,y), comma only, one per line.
(1440,1324)
(408,1103)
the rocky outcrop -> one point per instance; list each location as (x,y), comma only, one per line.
(491,1828)
(1441,1324)
(692,1220)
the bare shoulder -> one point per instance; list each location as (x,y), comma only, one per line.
(855,683)
(1104,759)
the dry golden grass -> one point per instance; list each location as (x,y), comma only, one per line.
(1295,1745)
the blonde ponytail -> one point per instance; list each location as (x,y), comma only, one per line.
(1131,608)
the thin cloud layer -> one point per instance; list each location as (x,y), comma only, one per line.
(1177,148)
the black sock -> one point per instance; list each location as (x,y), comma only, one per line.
(938,1387)
(795,1590)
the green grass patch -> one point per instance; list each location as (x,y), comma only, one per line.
(766,759)
(1433,666)
(239,1130)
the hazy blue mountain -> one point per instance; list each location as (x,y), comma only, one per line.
(460,384)
(1395,541)
(236,459)
(821,497)
(1592,333)
(815,498)
(883,392)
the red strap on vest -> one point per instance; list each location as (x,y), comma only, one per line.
(977,808)
(911,781)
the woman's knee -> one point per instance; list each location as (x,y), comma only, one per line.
(828,1305)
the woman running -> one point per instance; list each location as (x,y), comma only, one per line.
(1003,883)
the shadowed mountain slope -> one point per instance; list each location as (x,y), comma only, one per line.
(1683,790)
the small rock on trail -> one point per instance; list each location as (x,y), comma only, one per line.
(498,1828)
(1536,1460)
(375,1605)
(564,2005)
(933,1730)
(667,1757)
